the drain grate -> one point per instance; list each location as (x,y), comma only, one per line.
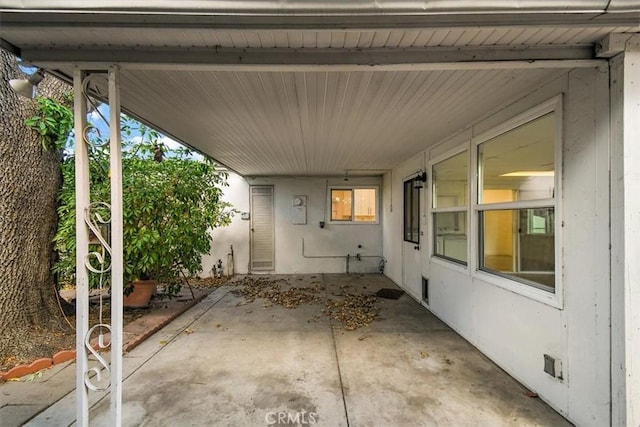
(389,293)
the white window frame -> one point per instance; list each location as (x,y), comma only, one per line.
(554,299)
(330,220)
(464,266)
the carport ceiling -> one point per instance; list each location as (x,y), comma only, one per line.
(318,123)
(306,95)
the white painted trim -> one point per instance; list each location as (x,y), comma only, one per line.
(454,151)
(353,187)
(556,298)
(57,63)
(553,104)
(82,248)
(117,246)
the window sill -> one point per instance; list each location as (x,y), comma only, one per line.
(531,292)
(463,268)
(353,222)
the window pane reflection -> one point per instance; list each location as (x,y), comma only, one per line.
(519,243)
(519,164)
(450,235)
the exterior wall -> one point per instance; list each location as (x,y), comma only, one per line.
(236,234)
(625,229)
(325,249)
(515,329)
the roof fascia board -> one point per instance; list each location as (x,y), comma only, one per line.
(300,59)
(12,18)
(322,7)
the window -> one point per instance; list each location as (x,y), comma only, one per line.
(449,207)
(354,205)
(411,211)
(517,202)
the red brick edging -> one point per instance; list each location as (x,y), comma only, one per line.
(156,322)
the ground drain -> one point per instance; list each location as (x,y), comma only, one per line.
(390,293)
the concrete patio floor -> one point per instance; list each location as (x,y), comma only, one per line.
(253,364)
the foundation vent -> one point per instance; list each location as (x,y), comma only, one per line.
(425,290)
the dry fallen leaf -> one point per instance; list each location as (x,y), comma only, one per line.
(424,354)
(163,342)
(188,331)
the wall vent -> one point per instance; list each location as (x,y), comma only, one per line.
(425,290)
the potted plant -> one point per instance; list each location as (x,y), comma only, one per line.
(169,205)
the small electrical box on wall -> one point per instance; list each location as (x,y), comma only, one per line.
(299,210)
(245,216)
(553,366)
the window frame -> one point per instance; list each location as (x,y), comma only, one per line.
(539,293)
(411,182)
(353,206)
(464,148)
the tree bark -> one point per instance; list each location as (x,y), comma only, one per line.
(30,178)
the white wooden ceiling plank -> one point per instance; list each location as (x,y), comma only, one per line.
(309,39)
(437,37)
(422,40)
(295,39)
(408,38)
(380,38)
(252,39)
(351,39)
(288,88)
(323,39)
(452,37)
(225,39)
(281,39)
(302,99)
(338,39)
(466,37)
(365,39)
(265,113)
(394,38)
(553,36)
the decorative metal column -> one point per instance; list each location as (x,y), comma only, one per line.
(99,251)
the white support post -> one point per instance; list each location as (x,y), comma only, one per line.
(625,234)
(117,266)
(82,249)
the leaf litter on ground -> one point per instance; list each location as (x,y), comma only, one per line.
(352,310)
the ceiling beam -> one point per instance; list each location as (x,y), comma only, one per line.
(386,19)
(316,59)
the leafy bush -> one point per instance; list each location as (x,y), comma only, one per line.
(53,122)
(168,208)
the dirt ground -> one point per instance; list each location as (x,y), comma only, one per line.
(47,342)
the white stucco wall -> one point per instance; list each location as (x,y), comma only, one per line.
(236,234)
(511,328)
(325,248)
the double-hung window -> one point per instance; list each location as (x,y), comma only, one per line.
(450,194)
(517,198)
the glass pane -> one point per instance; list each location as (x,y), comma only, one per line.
(340,205)
(450,181)
(508,246)
(450,236)
(365,204)
(411,212)
(520,163)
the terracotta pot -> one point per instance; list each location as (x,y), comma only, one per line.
(142,292)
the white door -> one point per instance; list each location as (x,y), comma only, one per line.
(411,246)
(262,228)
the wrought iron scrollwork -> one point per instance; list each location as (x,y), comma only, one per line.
(93,377)
(97,217)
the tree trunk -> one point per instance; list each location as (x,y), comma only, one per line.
(29,181)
